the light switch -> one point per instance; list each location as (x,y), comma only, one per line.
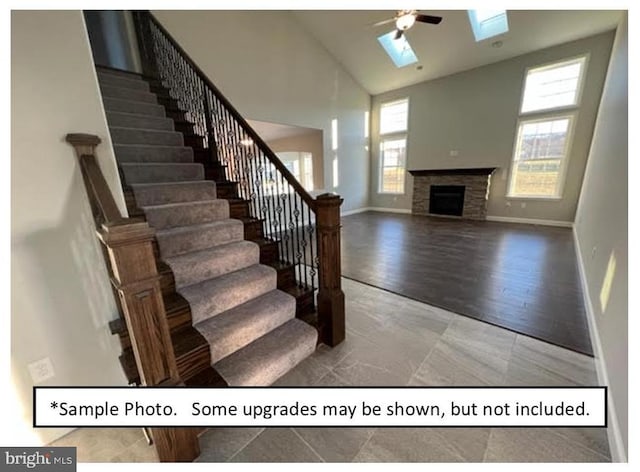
(41,370)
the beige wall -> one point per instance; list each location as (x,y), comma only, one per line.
(61,298)
(308,142)
(602,230)
(476,113)
(272,70)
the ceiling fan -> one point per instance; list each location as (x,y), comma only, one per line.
(405,19)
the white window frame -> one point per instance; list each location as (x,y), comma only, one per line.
(562,173)
(393,136)
(549,114)
(549,65)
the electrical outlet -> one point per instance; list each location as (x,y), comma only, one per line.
(41,370)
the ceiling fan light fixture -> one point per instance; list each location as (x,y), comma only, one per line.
(405,21)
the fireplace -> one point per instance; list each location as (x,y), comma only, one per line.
(446,200)
(461,193)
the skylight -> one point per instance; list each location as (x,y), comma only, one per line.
(399,50)
(488,23)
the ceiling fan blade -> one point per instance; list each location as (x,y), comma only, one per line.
(383,22)
(398,34)
(434,20)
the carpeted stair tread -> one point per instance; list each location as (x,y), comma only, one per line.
(214,296)
(197,266)
(132,120)
(240,326)
(183,239)
(129,106)
(125,93)
(155,172)
(171,215)
(135,83)
(149,153)
(268,358)
(121,135)
(174,192)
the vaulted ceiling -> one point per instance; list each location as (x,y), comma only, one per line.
(444,49)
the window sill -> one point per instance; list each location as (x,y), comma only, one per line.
(391,193)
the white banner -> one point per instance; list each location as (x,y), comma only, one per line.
(347,407)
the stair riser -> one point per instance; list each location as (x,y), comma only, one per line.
(128,94)
(157,195)
(193,141)
(140,136)
(177,244)
(305,304)
(122,82)
(132,153)
(120,73)
(193,362)
(253,230)
(146,174)
(126,106)
(193,214)
(214,173)
(137,121)
(269,253)
(227,190)
(239,209)
(286,277)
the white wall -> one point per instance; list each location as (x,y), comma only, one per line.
(61,297)
(476,112)
(273,70)
(601,229)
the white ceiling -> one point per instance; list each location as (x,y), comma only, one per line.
(446,48)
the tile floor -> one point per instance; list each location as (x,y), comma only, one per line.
(392,340)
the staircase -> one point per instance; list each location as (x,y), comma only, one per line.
(231,302)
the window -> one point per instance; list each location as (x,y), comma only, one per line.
(543,138)
(399,50)
(488,23)
(394,118)
(540,157)
(392,164)
(300,164)
(553,86)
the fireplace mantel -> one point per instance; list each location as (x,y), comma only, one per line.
(464,171)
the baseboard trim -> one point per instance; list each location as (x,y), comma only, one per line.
(530,221)
(353,212)
(616,445)
(405,211)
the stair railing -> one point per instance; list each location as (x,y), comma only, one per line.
(307,229)
(132,269)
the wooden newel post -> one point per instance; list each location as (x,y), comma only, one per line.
(129,247)
(331,322)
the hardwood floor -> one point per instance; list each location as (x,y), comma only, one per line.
(521,277)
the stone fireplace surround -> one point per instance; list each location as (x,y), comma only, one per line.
(476,181)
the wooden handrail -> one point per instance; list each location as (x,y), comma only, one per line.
(102,202)
(308,199)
